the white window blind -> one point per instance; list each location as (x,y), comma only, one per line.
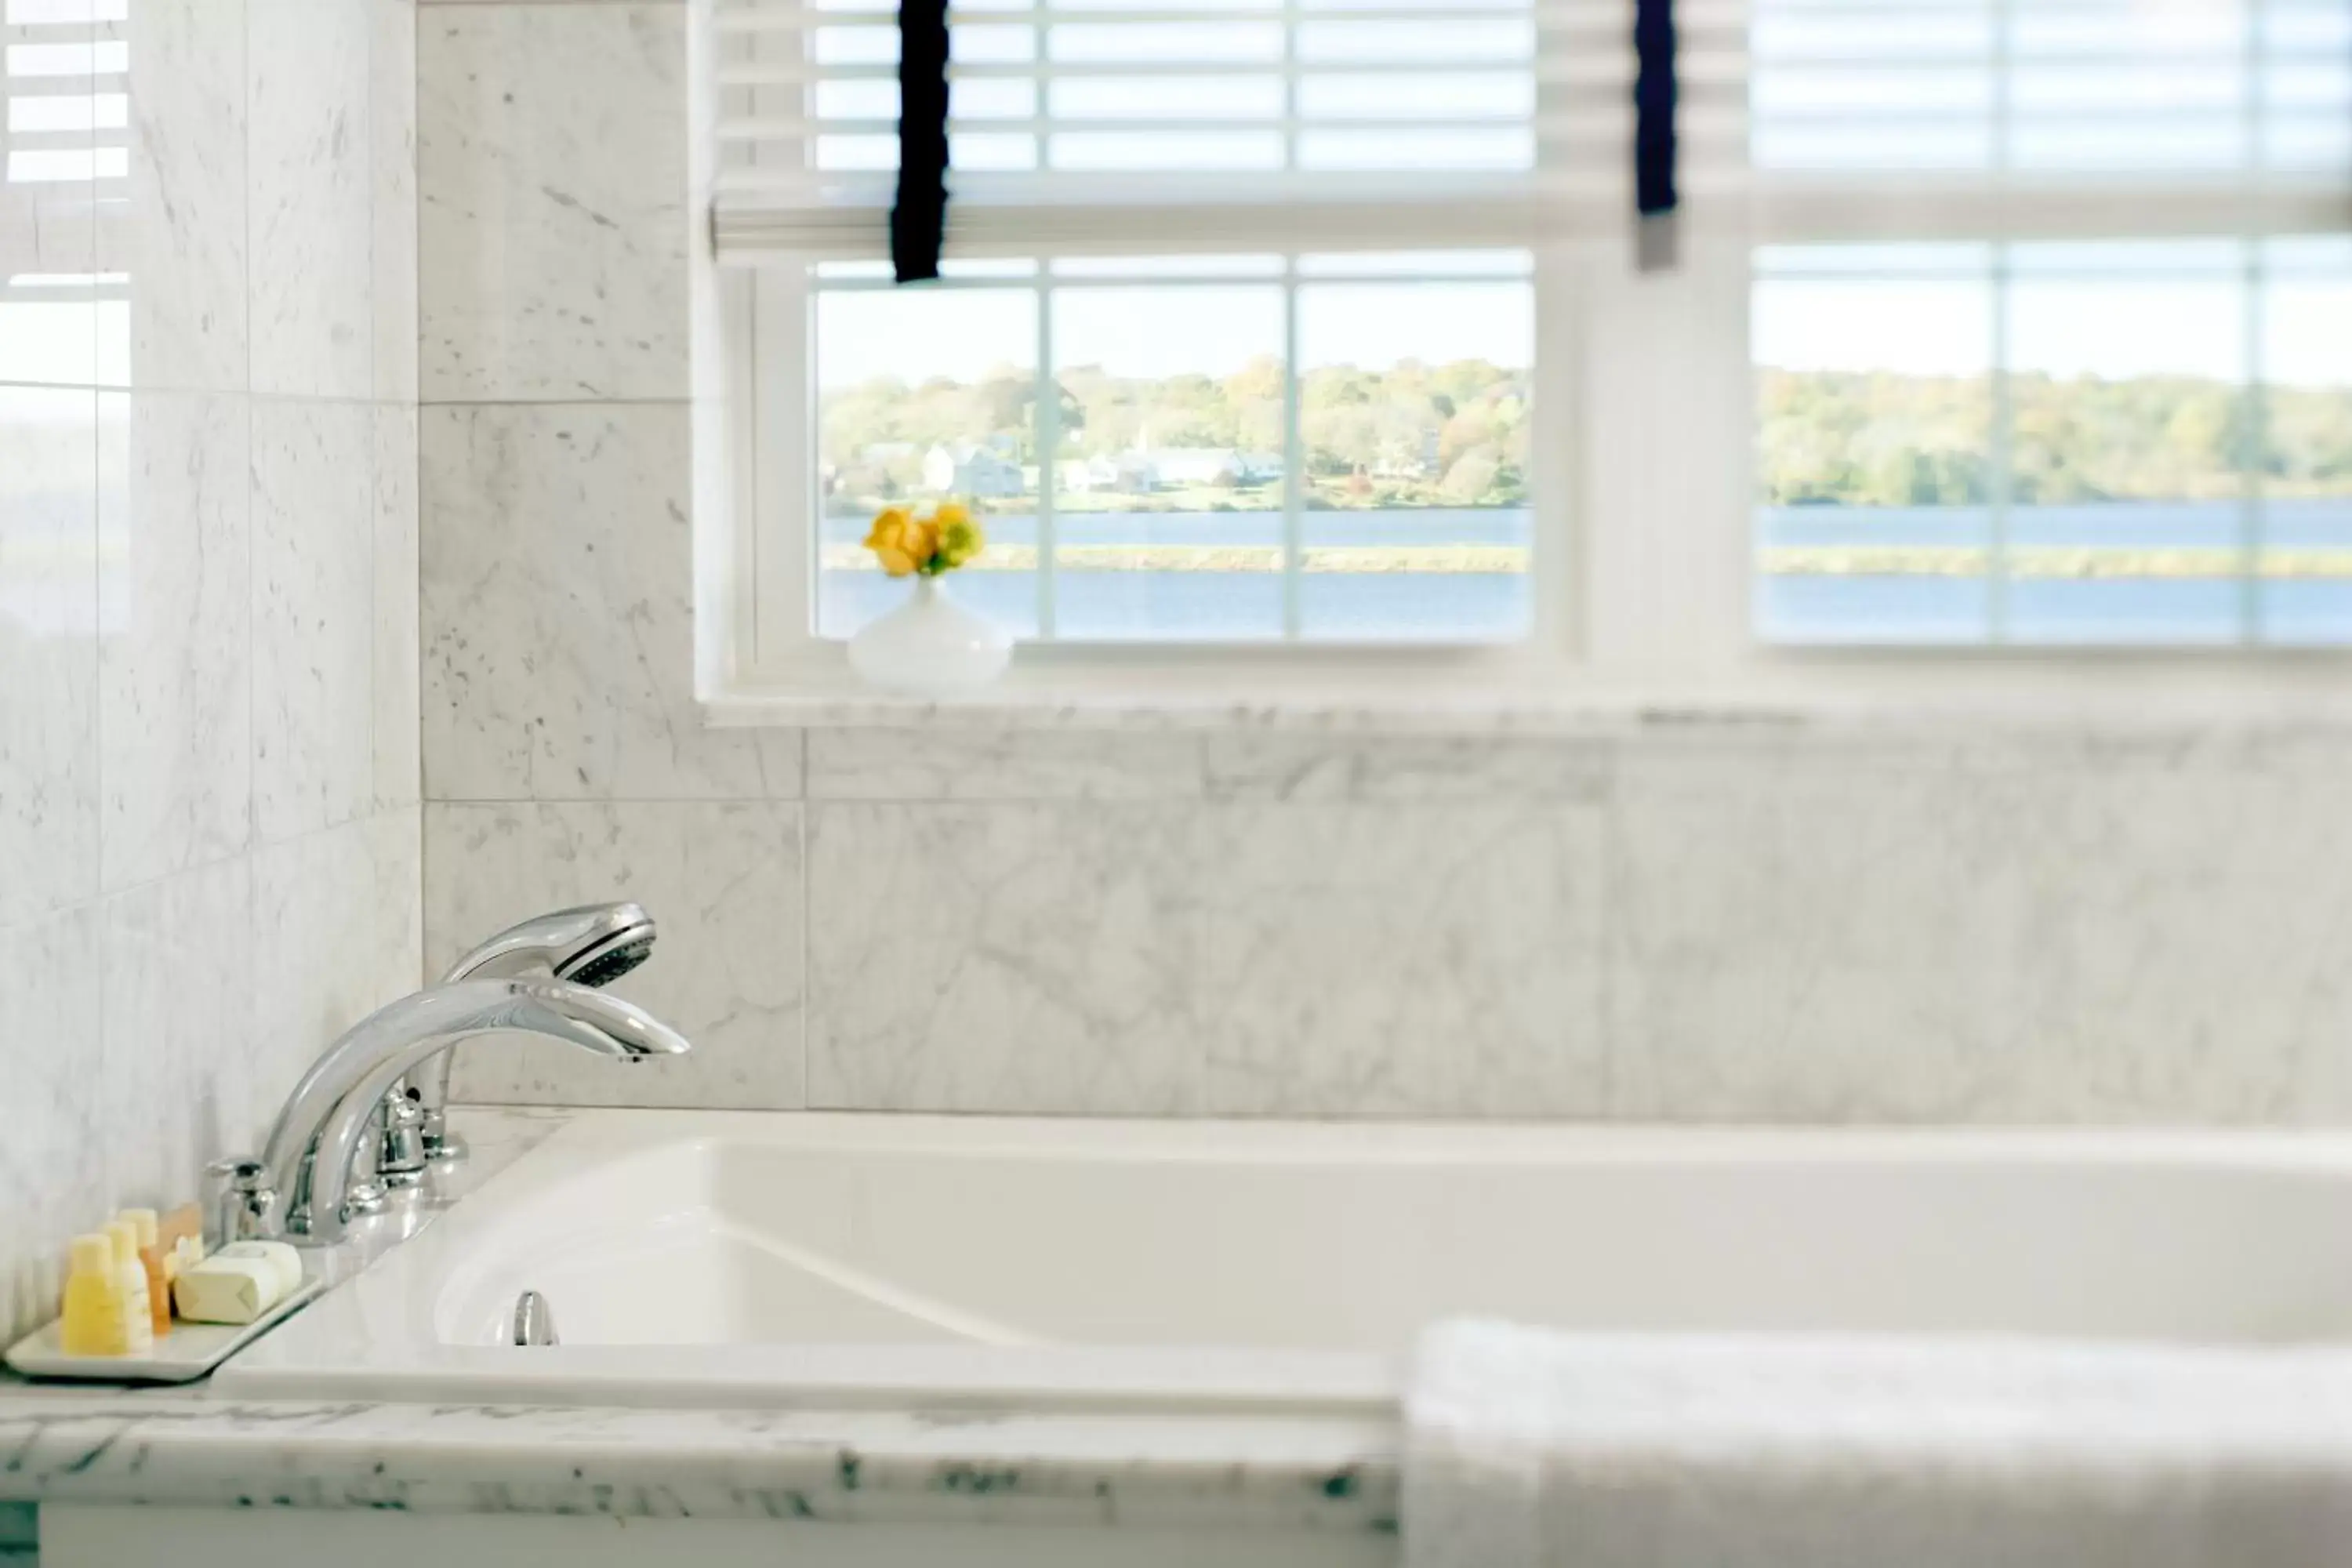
(64,170)
(1199,125)
(1202,124)
(1962,119)
(64,107)
(65,87)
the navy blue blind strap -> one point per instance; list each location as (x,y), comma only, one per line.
(1654,131)
(918,222)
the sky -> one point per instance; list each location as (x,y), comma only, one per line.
(2114,326)
(2111,328)
(1156,331)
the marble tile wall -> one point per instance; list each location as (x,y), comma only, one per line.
(2003,925)
(209,782)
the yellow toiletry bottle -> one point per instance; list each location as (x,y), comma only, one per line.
(139,1314)
(96,1320)
(150,1263)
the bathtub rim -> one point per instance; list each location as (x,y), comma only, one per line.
(309,1359)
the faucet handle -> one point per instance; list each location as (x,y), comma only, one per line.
(402,1162)
(239,1204)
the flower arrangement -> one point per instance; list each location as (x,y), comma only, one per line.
(930,645)
(930,545)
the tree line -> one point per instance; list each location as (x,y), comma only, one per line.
(1454,433)
(1876,439)
(1457,434)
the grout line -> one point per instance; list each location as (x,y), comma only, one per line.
(808,904)
(364,19)
(412,432)
(252,551)
(161,389)
(568,800)
(555,403)
(424,879)
(97,520)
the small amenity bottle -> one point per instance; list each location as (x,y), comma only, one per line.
(97,1312)
(139,1330)
(151,1262)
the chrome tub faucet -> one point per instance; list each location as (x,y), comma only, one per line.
(351,1114)
(591,945)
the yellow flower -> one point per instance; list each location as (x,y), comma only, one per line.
(891,543)
(922,543)
(961,538)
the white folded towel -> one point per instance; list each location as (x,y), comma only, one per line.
(1526,1448)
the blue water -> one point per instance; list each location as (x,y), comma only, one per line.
(1468,525)
(1815,610)
(1226,606)
(2112,611)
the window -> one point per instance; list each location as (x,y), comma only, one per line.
(64,166)
(1192,449)
(2086,381)
(1236,343)
(1309,327)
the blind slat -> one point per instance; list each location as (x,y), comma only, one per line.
(1329,122)
(786,16)
(1231,124)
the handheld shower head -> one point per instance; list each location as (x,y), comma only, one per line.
(592,945)
(608,963)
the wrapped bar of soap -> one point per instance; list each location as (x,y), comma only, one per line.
(284,1263)
(225,1290)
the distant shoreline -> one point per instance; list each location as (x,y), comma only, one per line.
(1181,504)
(2050,563)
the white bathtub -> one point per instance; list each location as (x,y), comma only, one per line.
(708,1258)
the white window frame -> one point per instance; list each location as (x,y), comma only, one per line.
(1642,566)
(1643,558)
(779,552)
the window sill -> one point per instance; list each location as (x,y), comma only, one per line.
(1495,691)
(1427,689)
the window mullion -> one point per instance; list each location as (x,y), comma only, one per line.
(2254,442)
(2254,451)
(2000,452)
(1293,454)
(1663,501)
(1046,424)
(1293,399)
(1564,592)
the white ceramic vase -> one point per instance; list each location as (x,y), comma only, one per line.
(931,645)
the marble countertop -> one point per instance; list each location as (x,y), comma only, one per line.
(190,1447)
(187,1449)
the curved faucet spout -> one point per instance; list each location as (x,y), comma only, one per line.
(592,945)
(329,1112)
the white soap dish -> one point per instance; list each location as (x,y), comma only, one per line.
(184,1355)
